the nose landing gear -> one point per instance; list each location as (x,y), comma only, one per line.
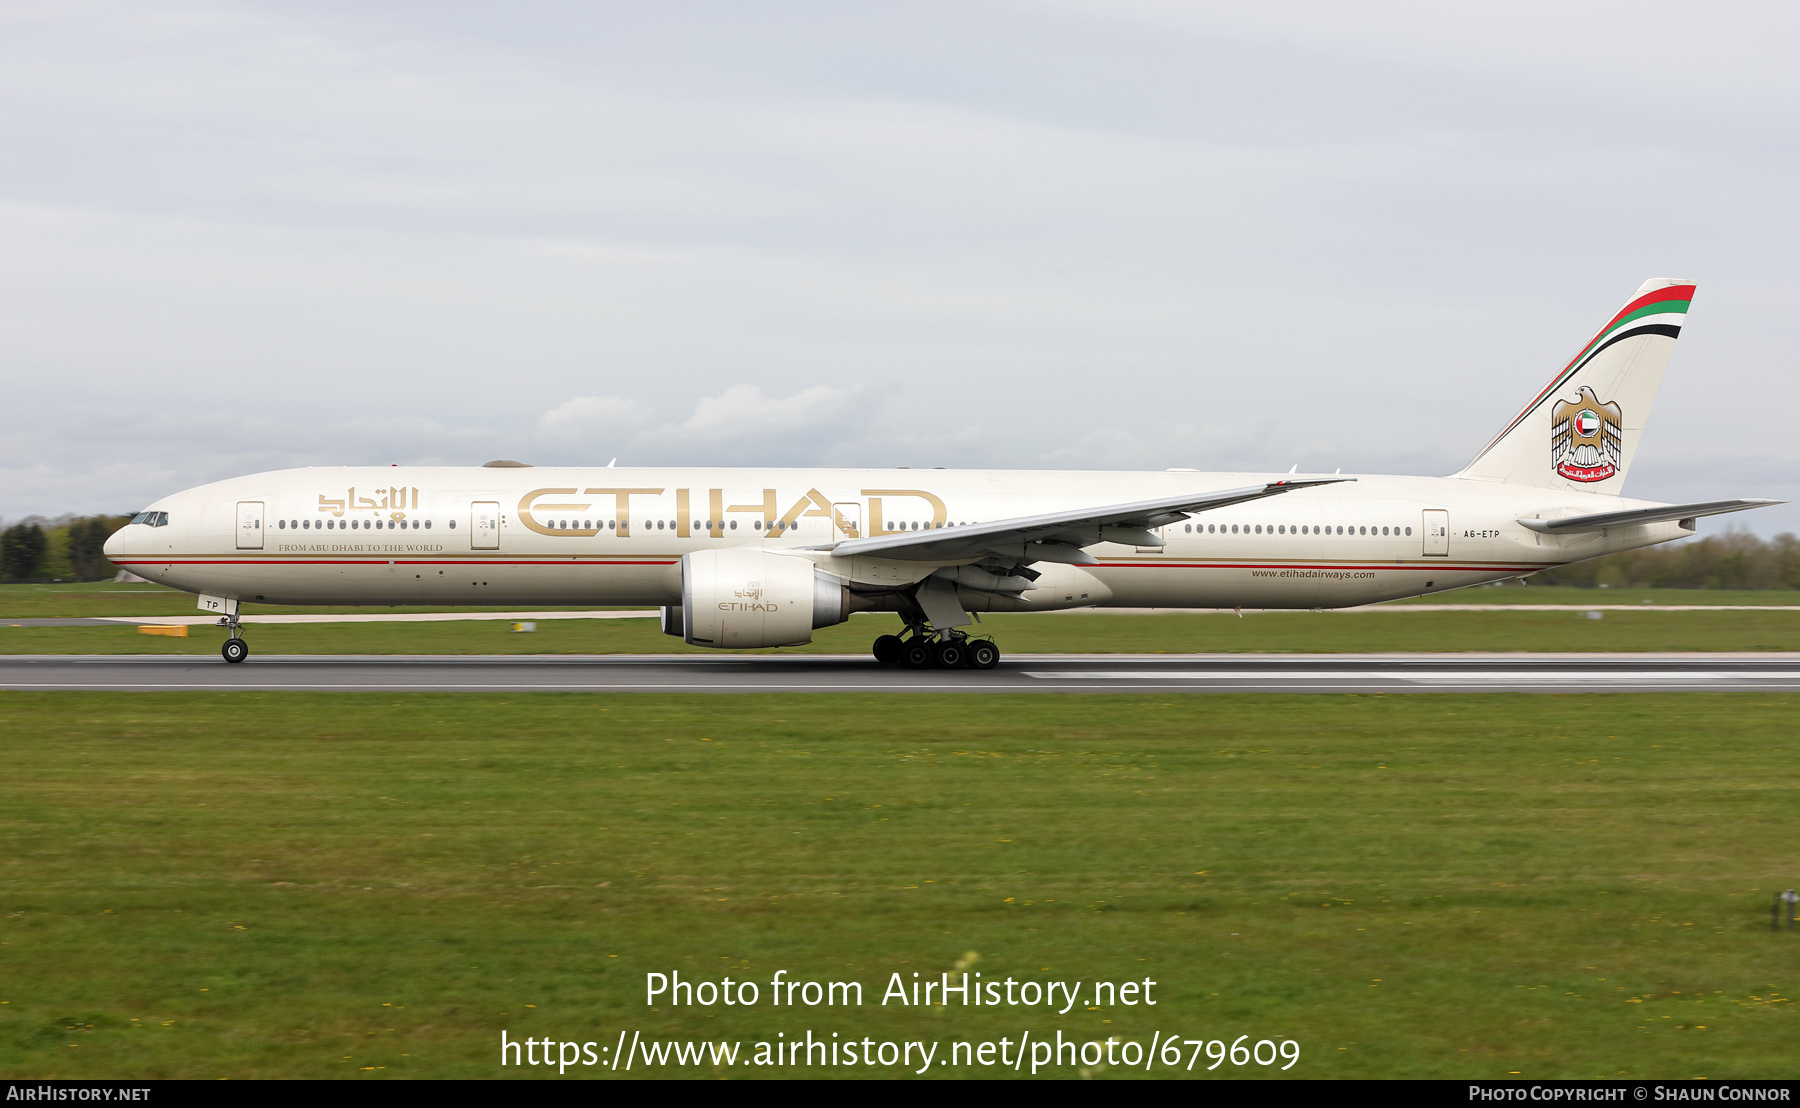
(235,649)
(920,649)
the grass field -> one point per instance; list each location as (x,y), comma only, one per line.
(375,885)
(1051,633)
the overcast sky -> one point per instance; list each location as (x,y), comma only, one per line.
(237,237)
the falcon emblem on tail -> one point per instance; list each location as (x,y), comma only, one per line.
(1586,437)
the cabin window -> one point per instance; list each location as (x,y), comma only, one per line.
(281,524)
(427,525)
(734,525)
(1409,530)
(756,524)
(696,525)
(453,525)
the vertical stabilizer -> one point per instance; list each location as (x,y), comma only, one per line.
(1582,430)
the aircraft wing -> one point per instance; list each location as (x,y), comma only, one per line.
(1600,521)
(1059,536)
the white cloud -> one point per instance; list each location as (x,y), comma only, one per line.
(617,417)
(742,411)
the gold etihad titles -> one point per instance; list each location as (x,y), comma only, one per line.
(389,499)
(811,503)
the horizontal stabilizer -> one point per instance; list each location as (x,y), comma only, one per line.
(1600,521)
(1059,536)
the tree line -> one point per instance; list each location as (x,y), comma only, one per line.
(71,548)
(1733,560)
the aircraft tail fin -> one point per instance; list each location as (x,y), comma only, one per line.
(1582,430)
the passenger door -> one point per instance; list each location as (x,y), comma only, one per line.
(851,515)
(1437,532)
(484,525)
(249,525)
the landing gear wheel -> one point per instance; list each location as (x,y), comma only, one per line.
(235,650)
(947,654)
(982,654)
(915,653)
(888,649)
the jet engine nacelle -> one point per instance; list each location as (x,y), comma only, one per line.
(742,598)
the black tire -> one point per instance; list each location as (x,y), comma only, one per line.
(888,649)
(948,654)
(982,655)
(235,650)
(915,654)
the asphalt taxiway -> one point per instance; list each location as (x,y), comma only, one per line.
(1062,673)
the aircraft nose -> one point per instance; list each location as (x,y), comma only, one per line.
(115,545)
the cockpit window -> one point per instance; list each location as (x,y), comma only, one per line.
(151,519)
(142,517)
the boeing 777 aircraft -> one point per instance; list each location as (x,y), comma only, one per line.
(740,558)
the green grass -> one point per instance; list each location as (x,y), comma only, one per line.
(1511,593)
(1050,633)
(1448,886)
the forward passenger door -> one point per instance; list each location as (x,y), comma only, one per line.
(249,525)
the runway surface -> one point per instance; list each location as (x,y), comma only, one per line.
(1063,673)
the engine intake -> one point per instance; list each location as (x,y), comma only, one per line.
(742,598)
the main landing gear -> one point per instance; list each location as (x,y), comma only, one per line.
(235,649)
(920,649)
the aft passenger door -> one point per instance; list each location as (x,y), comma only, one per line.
(484,525)
(249,525)
(1437,532)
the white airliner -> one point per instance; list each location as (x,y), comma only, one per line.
(741,558)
